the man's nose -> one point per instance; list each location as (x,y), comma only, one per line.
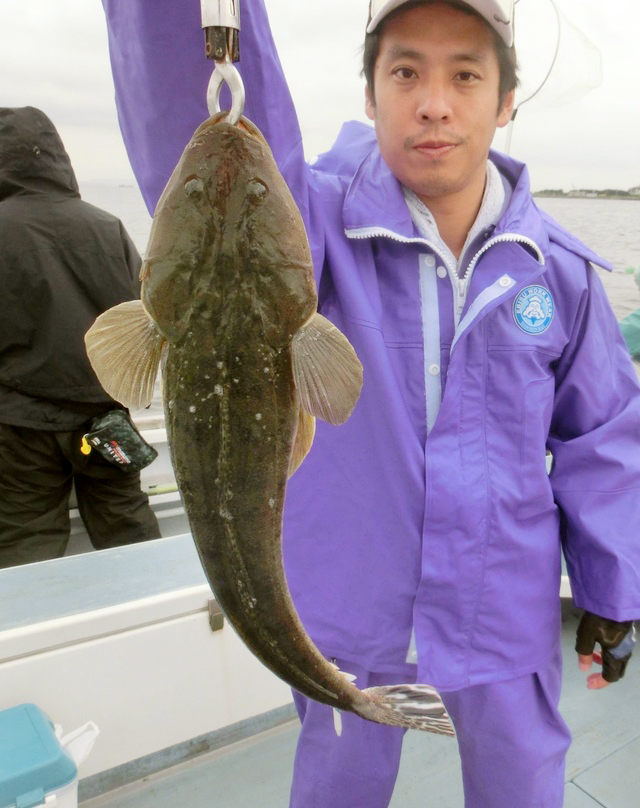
(434,104)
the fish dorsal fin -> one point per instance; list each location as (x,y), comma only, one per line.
(303,440)
(125,350)
(326,370)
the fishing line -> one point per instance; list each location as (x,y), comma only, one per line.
(562,83)
(544,81)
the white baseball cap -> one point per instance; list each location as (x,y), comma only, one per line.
(498,13)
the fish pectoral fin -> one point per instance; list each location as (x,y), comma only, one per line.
(303,440)
(326,371)
(125,349)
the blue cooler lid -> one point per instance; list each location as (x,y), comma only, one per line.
(32,762)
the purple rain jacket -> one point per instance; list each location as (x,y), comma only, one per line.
(458,536)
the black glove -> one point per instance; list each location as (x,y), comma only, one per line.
(615,639)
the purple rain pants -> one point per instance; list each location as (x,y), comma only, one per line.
(511,737)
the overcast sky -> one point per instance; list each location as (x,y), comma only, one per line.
(582,130)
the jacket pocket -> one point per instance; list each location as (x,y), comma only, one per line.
(535,486)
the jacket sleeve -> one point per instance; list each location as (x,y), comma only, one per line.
(161,77)
(595,442)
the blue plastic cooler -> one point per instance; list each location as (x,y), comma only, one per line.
(33,765)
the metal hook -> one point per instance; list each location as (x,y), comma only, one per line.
(225,71)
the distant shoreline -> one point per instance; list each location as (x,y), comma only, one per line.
(623,195)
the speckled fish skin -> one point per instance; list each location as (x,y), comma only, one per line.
(228,282)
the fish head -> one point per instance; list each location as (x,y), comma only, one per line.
(227,233)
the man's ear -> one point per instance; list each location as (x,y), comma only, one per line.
(504,116)
(369,105)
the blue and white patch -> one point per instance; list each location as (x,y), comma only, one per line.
(533,310)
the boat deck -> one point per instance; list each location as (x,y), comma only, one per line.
(602,770)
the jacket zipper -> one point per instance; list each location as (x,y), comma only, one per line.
(460,284)
(462,287)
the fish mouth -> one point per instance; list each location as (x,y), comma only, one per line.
(220,119)
(245,125)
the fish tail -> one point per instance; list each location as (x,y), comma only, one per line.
(410,706)
(125,349)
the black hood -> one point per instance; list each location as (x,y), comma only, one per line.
(32,156)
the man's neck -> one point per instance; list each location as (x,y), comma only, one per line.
(495,199)
(455,214)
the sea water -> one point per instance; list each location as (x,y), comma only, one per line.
(125,202)
(610,227)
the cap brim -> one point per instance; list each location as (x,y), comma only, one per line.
(499,15)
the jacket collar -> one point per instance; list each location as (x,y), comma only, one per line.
(375,203)
(375,199)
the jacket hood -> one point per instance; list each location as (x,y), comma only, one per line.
(32,156)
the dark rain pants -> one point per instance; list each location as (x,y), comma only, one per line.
(37,470)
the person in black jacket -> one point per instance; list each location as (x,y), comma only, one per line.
(62,263)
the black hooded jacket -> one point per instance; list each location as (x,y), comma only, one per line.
(62,263)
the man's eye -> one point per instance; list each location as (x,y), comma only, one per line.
(466,76)
(404,72)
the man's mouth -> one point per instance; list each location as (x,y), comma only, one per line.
(435,148)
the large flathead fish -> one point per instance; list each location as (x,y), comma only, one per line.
(229,309)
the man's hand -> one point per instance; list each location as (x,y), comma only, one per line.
(616,641)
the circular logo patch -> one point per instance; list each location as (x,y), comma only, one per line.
(533,310)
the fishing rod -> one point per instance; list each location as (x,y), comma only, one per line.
(221,25)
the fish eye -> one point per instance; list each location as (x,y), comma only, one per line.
(194,186)
(256,190)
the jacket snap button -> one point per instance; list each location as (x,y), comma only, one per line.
(434,370)
(442,272)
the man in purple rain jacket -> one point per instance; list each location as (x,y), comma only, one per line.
(423,539)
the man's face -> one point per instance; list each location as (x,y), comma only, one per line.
(436,83)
